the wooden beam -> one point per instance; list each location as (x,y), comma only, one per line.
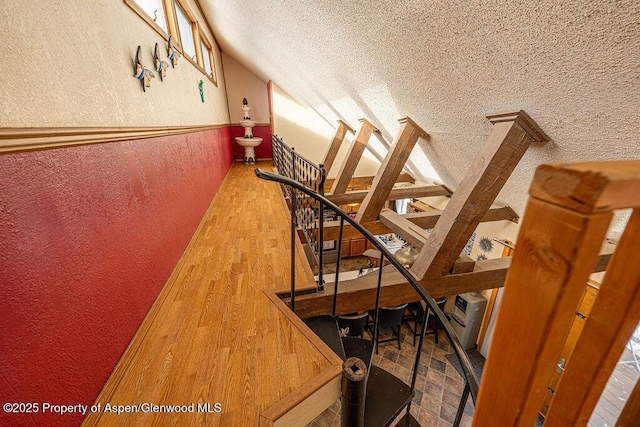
(390,170)
(421,219)
(365,181)
(336,142)
(350,162)
(506,144)
(360,294)
(587,187)
(612,320)
(556,251)
(395,194)
(399,224)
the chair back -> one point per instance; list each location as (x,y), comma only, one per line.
(440,302)
(353,325)
(391,316)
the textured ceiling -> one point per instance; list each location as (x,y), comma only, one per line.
(574,67)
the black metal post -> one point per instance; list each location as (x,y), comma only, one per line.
(416,364)
(321,231)
(463,403)
(335,286)
(293,236)
(375,318)
(354,391)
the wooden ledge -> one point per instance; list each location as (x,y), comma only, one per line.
(363,121)
(13,140)
(316,394)
(345,124)
(524,120)
(408,120)
(589,187)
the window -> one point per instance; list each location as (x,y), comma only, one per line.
(185,28)
(178,20)
(208,61)
(151,11)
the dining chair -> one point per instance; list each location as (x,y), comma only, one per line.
(353,325)
(416,313)
(390,317)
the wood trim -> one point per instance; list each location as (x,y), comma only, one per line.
(138,10)
(13,140)
(276,411)
(204,17)
(212,59)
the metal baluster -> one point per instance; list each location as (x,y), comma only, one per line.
(375,319)
(463,403)
(293,242)
(416,364)
(335,286)
(321,239)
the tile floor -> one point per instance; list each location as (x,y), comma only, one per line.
(438,385)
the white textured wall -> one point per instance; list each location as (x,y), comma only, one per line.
(574,66)
(241,83)
(70,63)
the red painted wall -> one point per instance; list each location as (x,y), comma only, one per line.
(88,237)
(263,151)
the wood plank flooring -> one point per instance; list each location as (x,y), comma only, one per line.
(213,335)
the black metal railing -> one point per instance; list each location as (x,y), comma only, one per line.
(307,213)
(471,382)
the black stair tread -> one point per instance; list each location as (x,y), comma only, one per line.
(326,328)
(358,347)
(408,421)
(387,396)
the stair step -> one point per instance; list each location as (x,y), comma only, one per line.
(358,347)
(408,421)
(387,396)
(326,328)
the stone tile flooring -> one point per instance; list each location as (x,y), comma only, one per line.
(438,385)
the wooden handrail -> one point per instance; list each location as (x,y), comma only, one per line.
(566,221)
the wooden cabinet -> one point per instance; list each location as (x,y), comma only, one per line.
(346,248)
(358,246)
(591,292)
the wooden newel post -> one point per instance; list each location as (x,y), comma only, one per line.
(354,391)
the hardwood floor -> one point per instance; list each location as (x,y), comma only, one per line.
(214,335)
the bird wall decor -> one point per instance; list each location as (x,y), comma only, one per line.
(141,72)
(172,53)
(160,65)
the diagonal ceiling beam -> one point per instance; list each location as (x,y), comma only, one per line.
(350,162)
(390,170)
(510,137)
(334,147)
